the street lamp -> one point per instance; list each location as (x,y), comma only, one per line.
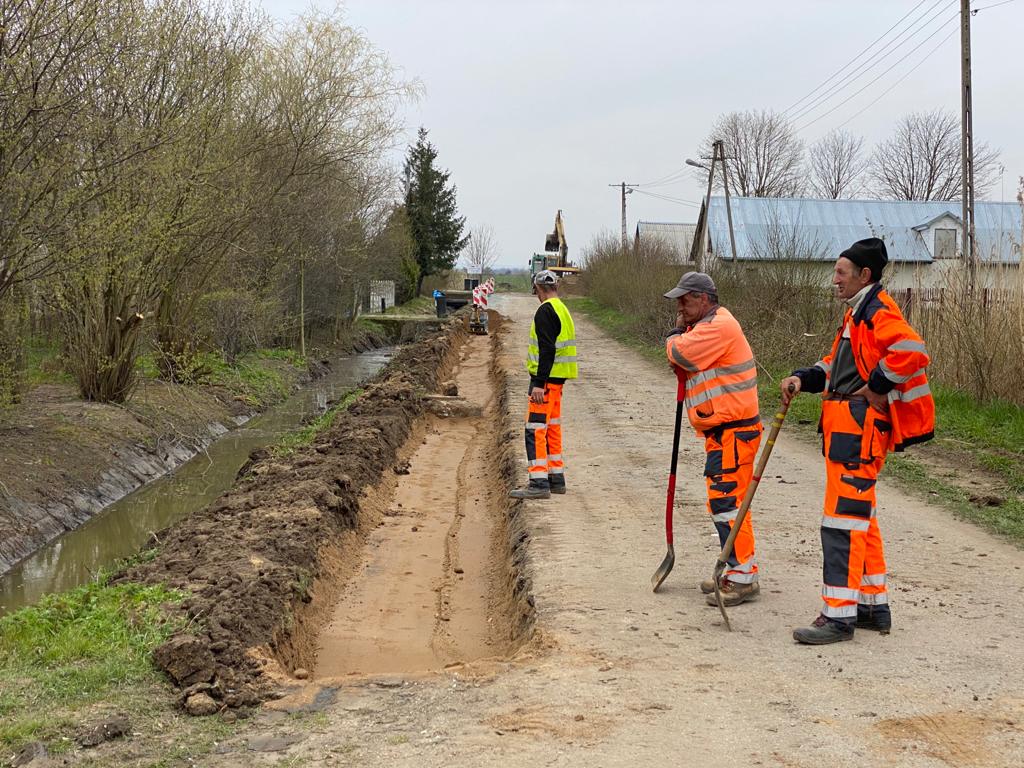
(695,164)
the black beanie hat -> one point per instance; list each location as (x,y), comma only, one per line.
(868,253)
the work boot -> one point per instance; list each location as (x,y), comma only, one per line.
(708,586)
(874,617)
(531,492)
(558,488)
(823,631)
(733,593)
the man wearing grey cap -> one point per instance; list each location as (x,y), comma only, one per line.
(708,347)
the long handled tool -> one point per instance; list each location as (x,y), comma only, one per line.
(670,557)
(762,462)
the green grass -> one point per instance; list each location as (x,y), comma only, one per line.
(514,282)
(421,305)
(73,650)
(990,436)
(617,325)
(251,379)
(302,437)
(43,364)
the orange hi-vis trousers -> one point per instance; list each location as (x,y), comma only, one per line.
(856,439)
(544,439)
(728,470)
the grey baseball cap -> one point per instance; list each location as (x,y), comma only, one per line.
(693,282)
(545,277)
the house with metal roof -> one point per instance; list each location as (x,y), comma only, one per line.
(677,237)
(923,238)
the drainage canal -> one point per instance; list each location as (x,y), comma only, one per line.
(124,527)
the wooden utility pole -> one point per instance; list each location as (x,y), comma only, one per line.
(967,147)
(626,189)
(719,147)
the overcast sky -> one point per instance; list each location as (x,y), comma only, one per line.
(535,106)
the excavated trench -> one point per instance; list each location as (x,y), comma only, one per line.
(387,546)
(437,579)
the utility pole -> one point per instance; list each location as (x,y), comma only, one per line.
(967,146)
(717,155)
(719,147)
(626,189)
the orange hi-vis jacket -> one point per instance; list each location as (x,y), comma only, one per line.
(721,376)
(892,358)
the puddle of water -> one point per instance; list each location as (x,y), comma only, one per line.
(125,526)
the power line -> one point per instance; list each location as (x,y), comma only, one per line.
(879,77)
(880,56)
(679,176)
(667,198)
(662,180)
(986,7)
(851,61)
(904,77)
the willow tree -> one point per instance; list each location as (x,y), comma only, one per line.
(151,143)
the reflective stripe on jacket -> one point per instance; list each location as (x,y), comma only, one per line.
(892,358)
(721,376)
(564,366)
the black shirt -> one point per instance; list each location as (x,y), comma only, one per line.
(547,326)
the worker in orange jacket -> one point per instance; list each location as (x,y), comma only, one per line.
(709,348)
(876,399)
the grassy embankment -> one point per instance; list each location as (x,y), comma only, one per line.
(83,656)
(990,436)
(256,378)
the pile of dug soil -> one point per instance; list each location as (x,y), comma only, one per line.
(249,559)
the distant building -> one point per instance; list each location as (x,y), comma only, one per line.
(678,237)
(923,239)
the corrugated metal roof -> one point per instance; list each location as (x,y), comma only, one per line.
(827,227)
(678,236)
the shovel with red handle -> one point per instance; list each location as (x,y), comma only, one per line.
(670,557)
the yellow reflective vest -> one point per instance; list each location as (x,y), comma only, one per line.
(564,366)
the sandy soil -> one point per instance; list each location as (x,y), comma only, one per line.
(618,676)
(424,597)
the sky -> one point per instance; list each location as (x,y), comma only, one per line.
(538,106)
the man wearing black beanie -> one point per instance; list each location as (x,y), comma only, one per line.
(876,399)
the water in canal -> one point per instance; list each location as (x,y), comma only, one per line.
(125,526)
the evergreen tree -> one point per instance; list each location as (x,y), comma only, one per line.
(430,204)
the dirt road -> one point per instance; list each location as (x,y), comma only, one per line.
(618,676)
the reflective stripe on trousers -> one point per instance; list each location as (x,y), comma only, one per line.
(856,440)
(544,438)
(728,470)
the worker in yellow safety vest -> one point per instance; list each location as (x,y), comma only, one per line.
(551,361)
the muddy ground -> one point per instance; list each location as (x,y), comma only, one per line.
(62,459)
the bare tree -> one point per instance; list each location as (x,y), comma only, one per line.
(765,154)
(922,160)
(837,166)
(480,253)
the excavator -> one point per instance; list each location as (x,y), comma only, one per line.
(556,254)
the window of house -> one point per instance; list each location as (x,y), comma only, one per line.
(945,243)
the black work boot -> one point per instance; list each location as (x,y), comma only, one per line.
(558,487)
(531,491)
(823,631)
(874,617)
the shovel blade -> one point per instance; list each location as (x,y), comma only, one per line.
(664,569)
(717,577)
